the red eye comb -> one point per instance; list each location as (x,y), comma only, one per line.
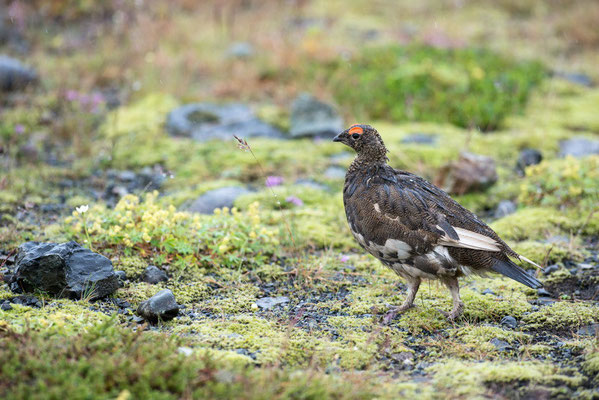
(356,129)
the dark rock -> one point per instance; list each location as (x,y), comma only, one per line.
(542,292)
(5,306)
(217,198)
(579,147)
(586,266)
(266,303)
(14,75)
(154,275)
(551,269)
(544,301)
(311,117)
(589,330)
(162,306)
(121,275)
(207,121)
(405,358)
(488,291)
(127,176)
(509,321)
(501,345)
(505,207)
(27,300)
(471,172)
(240,50)
(64,270)
(579,79)
(334,172)
(420,138)
(528,157)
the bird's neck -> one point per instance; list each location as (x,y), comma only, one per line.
(365,160)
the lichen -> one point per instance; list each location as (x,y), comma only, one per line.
(562,315)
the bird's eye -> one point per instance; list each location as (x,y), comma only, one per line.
(355,135)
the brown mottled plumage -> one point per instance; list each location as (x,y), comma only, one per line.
(415,228)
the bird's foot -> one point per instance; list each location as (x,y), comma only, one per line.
(394,312)
(455,313)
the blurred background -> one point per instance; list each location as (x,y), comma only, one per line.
(117,124)
(102,99)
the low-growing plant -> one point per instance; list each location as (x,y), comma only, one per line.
(562,183)
(147,227)
(466,87)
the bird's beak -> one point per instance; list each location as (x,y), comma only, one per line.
(339,137)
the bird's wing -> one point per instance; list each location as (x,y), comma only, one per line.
(411,208)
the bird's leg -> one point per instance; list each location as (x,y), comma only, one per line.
(413,285)
(458,305)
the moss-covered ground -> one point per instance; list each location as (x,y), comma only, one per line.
(58,152)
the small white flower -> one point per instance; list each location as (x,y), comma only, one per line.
(82,209)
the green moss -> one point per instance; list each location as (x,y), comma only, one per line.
(562,315)
(467,379)
(133,266)
(563,183)
(591,366)
(536,349)
(480,336)
(463,86)
(55,317)
(480,307)
(530,223)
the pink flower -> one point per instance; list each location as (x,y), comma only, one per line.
(344,259)
(19,129)
(71,95)
(274,181)
(294,200)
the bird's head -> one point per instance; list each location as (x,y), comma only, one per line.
(365,140)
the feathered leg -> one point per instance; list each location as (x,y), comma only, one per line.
(458,305)
(413,285)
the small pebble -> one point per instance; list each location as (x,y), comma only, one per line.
(509,321)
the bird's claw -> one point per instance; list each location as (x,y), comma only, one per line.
(394,311)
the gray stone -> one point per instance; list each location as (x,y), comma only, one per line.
(154,275)
(488,291)
(551,269)
(121,275)
(311,117)
(217,198)
(14,75)
(420,138)
(509,321)
(311,184)
(505,207)
(266,303)
(186,351)
(528,157)
(240,50)
(64,270)
(5,306)
(160,307)
(334,173)
(579,79)
(501,345)
(344,155)
(589,330)
(208,121)
(471,172)
(579,147)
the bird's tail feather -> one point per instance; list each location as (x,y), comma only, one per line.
(511,270)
